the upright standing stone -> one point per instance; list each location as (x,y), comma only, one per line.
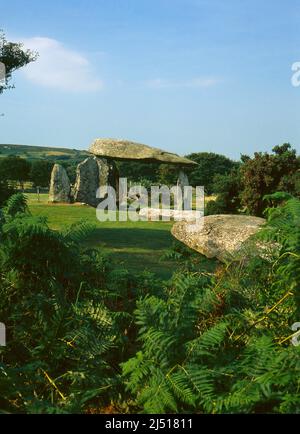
(108,174)
(59,185)
(86,183)
(183,180)
(91,174)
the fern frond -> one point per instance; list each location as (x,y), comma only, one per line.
(79,232)
(16,204)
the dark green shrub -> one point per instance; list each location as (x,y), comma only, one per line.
(227,188)
(209,165)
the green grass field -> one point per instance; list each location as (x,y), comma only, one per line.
(40,152)
(137,245)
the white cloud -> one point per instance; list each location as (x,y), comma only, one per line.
(59,67)
(198,82)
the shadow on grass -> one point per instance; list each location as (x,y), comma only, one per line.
(136,249)
(132,238)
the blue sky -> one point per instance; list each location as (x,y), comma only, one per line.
(182,75)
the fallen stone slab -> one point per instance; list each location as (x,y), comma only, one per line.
(168,214)
(218,236)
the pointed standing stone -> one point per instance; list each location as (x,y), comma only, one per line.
(183,180)
(91,174)
(59,185)
(86,183)
(108,174)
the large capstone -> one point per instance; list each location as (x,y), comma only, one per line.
(59,185)
(127,150)
(224,237)
(92,174)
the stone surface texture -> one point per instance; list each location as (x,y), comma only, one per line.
(59,185)
(91,174)
(218,236)
(127,150)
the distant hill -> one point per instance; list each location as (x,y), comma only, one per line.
(41,152)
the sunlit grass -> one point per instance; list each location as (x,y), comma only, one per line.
(136,245)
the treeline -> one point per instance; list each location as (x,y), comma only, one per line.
(209,165)
(239,187)
(21,170)
(16,172)
(38,171)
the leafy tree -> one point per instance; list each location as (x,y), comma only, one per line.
(134,171)
(14,168)
(209,165)
(5,191)
(71,170)
(40,172)
(291,183)
(227,188)
(167,174)
(13,56)
(267,173)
